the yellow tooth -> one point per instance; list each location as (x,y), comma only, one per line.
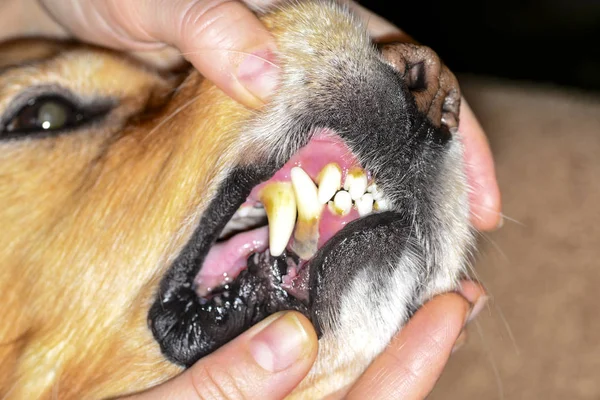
(330,181)
(381,205)
(280,205)
(356,183)
(374,190)
(342,203)
(364,205)
(306,235)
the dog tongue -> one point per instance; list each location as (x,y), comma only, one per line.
(226,259)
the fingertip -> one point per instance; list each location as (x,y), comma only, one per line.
(230,46)
(286,340)
(486,208)
(452,308)
(258,73)
(476,295)
(485,200)
(409,367)
(471,290)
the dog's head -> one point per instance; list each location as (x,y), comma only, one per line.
(134,206)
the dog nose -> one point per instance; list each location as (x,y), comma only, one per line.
(433,86)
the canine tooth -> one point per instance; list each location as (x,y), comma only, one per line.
(306,234)
(342,202)
(356,183)
(364,205)
(280,204)
(330,181)
(306,194)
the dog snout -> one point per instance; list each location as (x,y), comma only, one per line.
(433,86)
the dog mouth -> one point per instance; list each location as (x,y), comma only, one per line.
(296,235)
(280,226)
(257,243)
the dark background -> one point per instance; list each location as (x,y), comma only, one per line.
(552,41)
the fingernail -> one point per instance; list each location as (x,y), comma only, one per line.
(500,223)
(280,344)
(460,341)
(259,74)
(477,307)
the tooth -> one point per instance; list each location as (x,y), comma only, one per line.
(280,205)
(364,205)
(381,205)
(243,211)
(329,180)
(306,194)
(374,190)
(306,234)
(342,202)
(356,183)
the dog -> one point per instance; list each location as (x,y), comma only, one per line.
(134,206)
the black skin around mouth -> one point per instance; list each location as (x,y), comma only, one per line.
(252,296)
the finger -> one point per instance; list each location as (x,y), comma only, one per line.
(409,367)
(475,294)
(484,197)
(461,340)
(267,362)
(223,39)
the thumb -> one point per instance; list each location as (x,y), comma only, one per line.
(223,39)
(267,362)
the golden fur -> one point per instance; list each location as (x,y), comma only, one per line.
(91,219)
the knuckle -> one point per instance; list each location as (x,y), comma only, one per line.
(212,382)
(208,22)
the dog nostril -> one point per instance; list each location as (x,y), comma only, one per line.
(434,88)
(416,76)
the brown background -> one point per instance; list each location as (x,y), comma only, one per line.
(540,336)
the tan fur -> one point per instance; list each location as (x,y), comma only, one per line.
(77,296)
(92,219)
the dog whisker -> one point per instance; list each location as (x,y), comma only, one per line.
(509,330)
(493,243)
(172,115)
(500,213)
(492,360)
(199,51)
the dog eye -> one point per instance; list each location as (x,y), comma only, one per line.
(49,114)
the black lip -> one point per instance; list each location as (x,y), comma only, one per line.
(185,328)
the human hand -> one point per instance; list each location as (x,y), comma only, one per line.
(266,362)
(411,364)
(223,39)
(271,358)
